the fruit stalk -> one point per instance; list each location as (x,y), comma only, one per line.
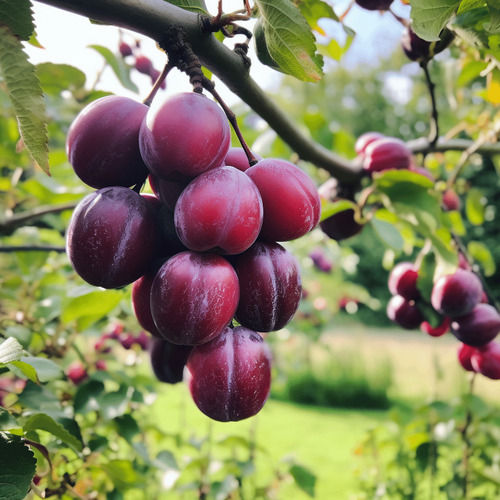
(434,123)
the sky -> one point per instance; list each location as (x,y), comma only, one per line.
(66,37)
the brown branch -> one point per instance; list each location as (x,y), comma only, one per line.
(434,124)
(22,218)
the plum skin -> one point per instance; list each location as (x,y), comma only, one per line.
(290,199)
(184,136)
(456,294)
(486,360)
(112,237)
(194,297)
(229,378)
(270,287)
(168,360)
(386,153)
(102,143)
(364,140)
(478,327)
(141,303)
(219,210)
(374,4)
(404,312)
(341,225)
(403,281)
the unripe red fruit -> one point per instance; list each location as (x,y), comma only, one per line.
(451,201)
(404,312)
(143,340)
(290,198)
(125,49)
(384,154)
(100,345)
(76,372)
(221,210)
(364,140)
(112,237)
(478,327)
(436,331)
(230,377)
(464,355)
(486,360)
(193,297)
(270,287)
(403,281)
(102,142)
(320,260)
(415,48)
(100,365)
(143,64)
(183,136)
(341,225)
(456,294)
(374,4)
(168,360)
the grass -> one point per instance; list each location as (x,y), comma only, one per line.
(323,440)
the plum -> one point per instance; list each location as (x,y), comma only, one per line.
(194,297)
(386,153)
(270,287)
(404,312)
(290,198)
(102,142)
(112,237)
(141,303)
(415,48)
(403,281)
(183,136)
(486,360)
(464,355)
(456,294)
(168,360)
(478,327)
(364,140)
(237,158)
(436,331)
(229,378)
(374,4)
(219,210)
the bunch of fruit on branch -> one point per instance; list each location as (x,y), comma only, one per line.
(202,252)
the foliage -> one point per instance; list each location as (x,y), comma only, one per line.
(439,450)
(94,437)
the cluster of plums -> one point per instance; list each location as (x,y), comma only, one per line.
(142,63)
(460,301)
(201,251)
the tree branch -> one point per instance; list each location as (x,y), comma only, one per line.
(153,18)
(21,218)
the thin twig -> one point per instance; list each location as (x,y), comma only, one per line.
(149,99)
(467,441)
(31,248)
(209,85)
(21,218)
(473,148)
(434,124)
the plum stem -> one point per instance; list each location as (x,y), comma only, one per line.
(210,86)
(166,70)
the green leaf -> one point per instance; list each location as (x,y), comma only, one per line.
(86,397)
(388,233)
(314,10)
(114,404)
(429,17)
(304,478)
(119,67)
(45,368)
(493,27)
(289,39)
(26,96)
(127,426)
(192,5)
(10,350)
(481,254)
(56,78)
(123,474)
(44,422)
(18,17)
(426,271)
(329,208)
(17,467)
(466,5)
(91,307)
(475,206)
(40,398)
(7,421)
(20,368)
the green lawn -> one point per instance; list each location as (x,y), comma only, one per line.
(321,439)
